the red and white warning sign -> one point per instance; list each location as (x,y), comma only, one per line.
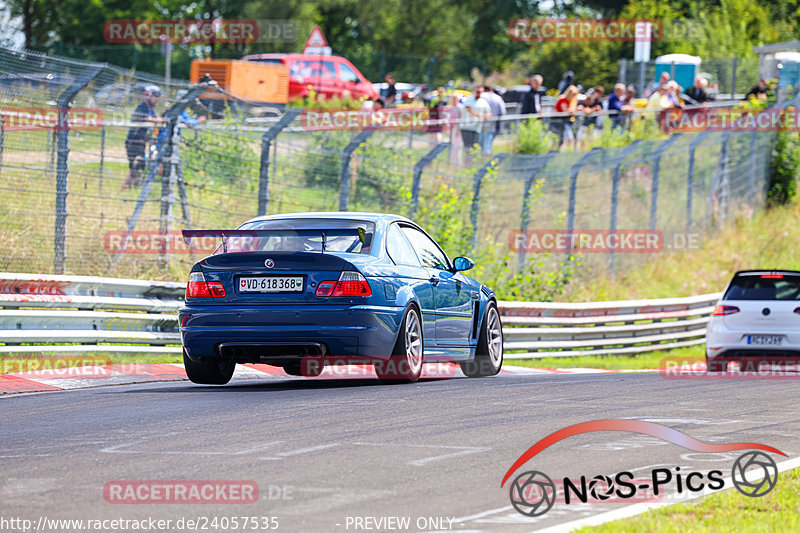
(316,43)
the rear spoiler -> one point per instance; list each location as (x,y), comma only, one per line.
(225,234)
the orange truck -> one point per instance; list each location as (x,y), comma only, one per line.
(245,80)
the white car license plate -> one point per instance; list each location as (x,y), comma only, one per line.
(773,340)
(271,284)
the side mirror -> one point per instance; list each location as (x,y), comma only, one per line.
(462,263)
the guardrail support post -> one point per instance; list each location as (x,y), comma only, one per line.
(524,216)
(476,193)
(663,147)
(62,169)
(418,168)
(344,177)
(263,174)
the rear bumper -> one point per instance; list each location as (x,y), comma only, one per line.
(359,332)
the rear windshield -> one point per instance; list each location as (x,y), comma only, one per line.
(288,239)
(766,287)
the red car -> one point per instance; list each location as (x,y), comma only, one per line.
(326,75)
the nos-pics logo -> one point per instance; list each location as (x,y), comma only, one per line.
(533,493)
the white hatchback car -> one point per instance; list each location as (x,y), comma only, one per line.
(756,320)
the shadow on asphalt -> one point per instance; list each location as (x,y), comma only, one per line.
(276,386)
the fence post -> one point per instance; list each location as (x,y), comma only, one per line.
(167,185)
(751,186)
(616,162)
(344,177)
(418,168)
(656,171)
(573,186)
(524,216)
(62,169)
(102,154)
(734,63)
(2,137)
(476,193)
(720,178)
(263,173)
(690,179)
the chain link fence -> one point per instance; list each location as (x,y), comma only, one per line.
(67,207)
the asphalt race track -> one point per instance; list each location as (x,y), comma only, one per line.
(341,455)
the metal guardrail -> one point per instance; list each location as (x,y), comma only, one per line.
(84,314)
(537,330)
(79,313)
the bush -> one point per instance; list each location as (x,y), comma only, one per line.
(533,137)
(785,170)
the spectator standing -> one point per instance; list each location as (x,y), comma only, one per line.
(566,103)
(697,94)
(673,94)
(659,100)
(532,101)
(566,81)
(498,109)
(136,141)
(476,111)
(761,91)
(453,111)
(616,102)
(656,85)
(391,92)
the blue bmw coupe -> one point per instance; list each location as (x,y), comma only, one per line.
(303,290)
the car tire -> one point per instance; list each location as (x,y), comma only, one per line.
(405,364)
(489,353)
(209,370)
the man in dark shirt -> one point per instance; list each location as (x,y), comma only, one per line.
(136,141)
(697,93)
(760,91)
(532,101)
(391,91)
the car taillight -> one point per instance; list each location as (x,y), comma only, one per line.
(722,310)
(771,276)
(349,284)
(199,288)
(797,310)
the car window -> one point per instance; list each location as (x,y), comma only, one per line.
(347,73)
(756,287)
(399,248)
(313,69)
(430,255)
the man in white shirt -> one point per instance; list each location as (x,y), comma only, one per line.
(498,108)
(476,110)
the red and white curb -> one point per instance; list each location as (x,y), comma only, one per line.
(124,374)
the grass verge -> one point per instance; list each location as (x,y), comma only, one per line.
(722,512)
(647,360)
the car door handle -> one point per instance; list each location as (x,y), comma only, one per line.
(434,280)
